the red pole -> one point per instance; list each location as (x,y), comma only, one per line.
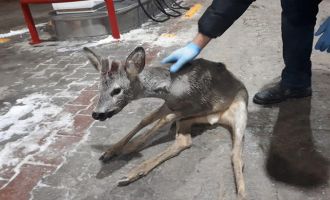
(112,19)
(30,24)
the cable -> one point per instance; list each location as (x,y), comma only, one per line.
(151,17)
(178,14)
(178,5)
(162,5)
(162,9)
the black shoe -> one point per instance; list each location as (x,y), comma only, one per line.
(277,94)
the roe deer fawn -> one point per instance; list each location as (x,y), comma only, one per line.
(201,92)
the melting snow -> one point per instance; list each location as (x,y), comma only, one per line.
(18,32)
(22,127)
(152,35)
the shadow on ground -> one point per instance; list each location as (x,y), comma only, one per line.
(293,157)
(118,162)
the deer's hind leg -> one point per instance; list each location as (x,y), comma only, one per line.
(182,142)
(236,118)
(139,141)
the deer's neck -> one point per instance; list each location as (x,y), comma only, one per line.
(155,82)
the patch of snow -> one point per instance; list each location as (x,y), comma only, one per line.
(30,120)
(14,122)
(7,103)
(151,35)
(18,32)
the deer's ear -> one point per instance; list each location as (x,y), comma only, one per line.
(135,61)
(93,58)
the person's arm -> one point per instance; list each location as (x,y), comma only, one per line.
(324,41)
(218,17)
(201,40)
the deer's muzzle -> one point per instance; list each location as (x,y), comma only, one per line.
(102,116)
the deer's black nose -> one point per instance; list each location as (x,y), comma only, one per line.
(99,116)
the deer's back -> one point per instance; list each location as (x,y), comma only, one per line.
(204,86)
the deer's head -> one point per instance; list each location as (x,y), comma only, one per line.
(117,85)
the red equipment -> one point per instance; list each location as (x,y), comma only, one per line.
(33,31)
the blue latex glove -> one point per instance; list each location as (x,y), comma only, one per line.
(324,41)
(182,56)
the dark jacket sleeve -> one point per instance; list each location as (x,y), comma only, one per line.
(220,15)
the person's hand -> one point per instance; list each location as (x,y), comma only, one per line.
(324,41)
(182,56)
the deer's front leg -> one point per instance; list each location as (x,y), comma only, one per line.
(117,148)
(182,142)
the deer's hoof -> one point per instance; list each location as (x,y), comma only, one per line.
(124,181)
(131,178)
(241,196)
(107,156)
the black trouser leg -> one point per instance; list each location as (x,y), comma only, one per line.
(298,21)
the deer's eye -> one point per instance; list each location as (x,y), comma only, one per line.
(115,92)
